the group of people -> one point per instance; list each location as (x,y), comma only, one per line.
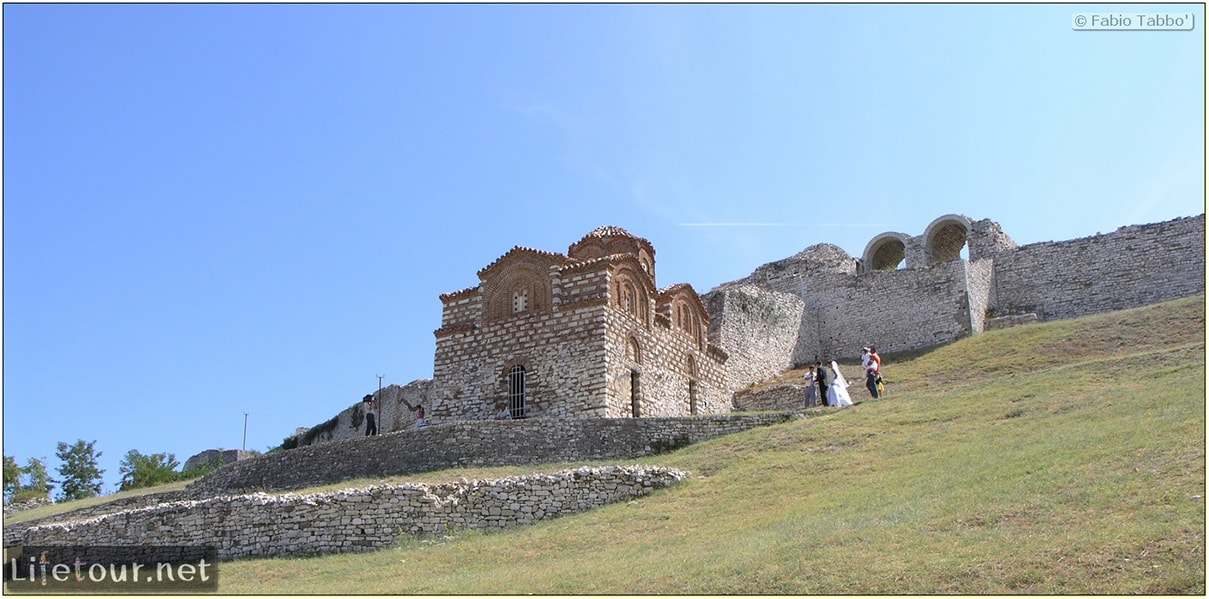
(827,386)
(371,414)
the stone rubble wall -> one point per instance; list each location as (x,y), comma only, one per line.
(1130,267)
(766,324)
(472,444)
(775,397)
(933,303)
(12,532)
(12,509)
(393,414)
(352,520)
(215,457)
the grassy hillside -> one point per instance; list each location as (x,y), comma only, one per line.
(1055,458)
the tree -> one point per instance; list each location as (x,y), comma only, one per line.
(12,477)
(81,477)
(140,470)
(38,479)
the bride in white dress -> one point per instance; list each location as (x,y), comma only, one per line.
(838,391)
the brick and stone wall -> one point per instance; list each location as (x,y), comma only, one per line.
(352,520)
(482,443)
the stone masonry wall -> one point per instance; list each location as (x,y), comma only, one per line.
(928,304)
(775,397)
(12,532)
(1133,266)
(354,520)
(393,414)
(766,324)
(562,351)
(666,387)
(481,443)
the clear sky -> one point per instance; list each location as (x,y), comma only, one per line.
(213,210)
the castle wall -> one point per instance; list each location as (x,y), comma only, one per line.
(927,305)
(481,443)
(771,327)
(393,414)
(353,520)
(892,310)
(1133,266)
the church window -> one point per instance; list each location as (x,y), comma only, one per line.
(520,300)
(516,391)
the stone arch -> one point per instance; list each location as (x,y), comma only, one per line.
(522,288)
(885,252)
(633,295)
(946,236)
(633,350)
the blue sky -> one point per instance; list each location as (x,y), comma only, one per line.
(218,209)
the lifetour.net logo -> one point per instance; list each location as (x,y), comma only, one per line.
(136,570)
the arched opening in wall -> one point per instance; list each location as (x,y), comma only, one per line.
(888,256)
(947,242)
(516,392)
(635,393)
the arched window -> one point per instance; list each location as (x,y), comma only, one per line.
(516,392)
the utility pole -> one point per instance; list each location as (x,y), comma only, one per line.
(245,431)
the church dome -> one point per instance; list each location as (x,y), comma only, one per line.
(610,240)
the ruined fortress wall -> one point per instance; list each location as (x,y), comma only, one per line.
(481,443)
(925,306)
(393,414)
(892,310)
(353,520)
(1133,266)
(763,325)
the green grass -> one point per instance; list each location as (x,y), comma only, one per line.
(1053,458)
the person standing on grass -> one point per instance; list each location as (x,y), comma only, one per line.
(823,377)
(812,387)
(872,371)
(837,392)
(877,359)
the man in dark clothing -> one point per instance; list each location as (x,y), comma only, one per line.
(371,419)
(825,378)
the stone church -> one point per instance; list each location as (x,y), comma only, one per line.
(587,334)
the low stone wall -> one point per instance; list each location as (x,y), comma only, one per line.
(1005,322)
(13,509)
(474,443)
(353,520)
(13,532)
(777,397)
